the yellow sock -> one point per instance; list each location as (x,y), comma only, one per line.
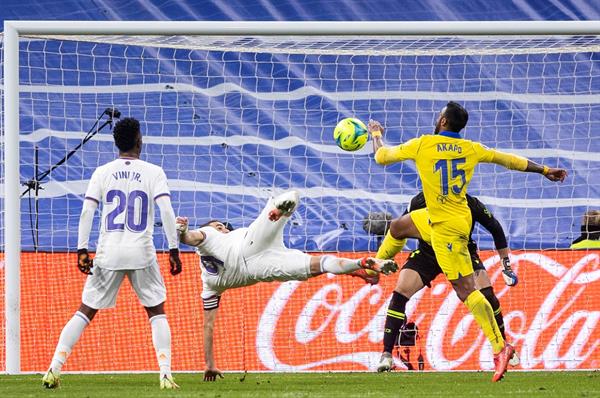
(484,315)
(390,247)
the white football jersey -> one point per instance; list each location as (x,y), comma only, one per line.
(127,189)
(225,264)
(222,261)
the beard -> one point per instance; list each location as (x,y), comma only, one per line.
(437,127)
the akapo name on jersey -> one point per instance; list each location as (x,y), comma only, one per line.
(446,147)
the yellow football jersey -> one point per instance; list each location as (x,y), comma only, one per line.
(586,244)
(445,162)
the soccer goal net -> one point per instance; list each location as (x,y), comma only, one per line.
(235,119)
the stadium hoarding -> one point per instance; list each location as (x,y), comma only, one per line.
(326,323)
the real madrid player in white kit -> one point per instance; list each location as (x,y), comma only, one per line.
(128,188)
(246,256)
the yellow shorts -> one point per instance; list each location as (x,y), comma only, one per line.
(421,220)
(449,240)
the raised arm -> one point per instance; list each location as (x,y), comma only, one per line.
(191,238)
(211,372)
(387,155)
(515,162)
(376,130)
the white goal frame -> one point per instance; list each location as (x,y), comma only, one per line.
(13,30)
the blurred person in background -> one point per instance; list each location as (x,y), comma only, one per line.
(590,231)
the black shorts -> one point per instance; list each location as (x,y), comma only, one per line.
(426,265)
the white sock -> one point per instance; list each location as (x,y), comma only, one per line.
(161,338)
(338,265)
(68,338)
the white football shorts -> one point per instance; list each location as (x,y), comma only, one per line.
(279,264)
(101,288)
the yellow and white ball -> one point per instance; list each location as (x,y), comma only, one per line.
(350,134)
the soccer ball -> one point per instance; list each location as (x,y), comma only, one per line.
(350,134)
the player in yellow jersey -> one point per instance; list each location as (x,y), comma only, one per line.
(445,163)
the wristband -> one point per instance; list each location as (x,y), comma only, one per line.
(545,171)
(376,134)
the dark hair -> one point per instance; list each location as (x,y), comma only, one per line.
(456,116)
(225,223)
(126,133)
(206,224)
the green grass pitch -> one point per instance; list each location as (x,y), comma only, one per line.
(396,384)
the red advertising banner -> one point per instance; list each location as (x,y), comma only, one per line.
(327,323)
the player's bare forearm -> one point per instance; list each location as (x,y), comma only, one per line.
(553,174)
(191,238)
(209,324)
(508,274)
(503,253)
(211,372)
(515,162)
(377,143)
(376,130)
(533,167)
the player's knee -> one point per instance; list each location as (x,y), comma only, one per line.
(398,228)
(463,287)
(156,310)
(403,290)
(408,284)
(488,292)
(315,265)
(89,312)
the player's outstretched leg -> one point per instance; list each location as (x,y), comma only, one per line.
(387,251)
(390,246)
(338,265)
(68,338)
(401,228)
(267,230)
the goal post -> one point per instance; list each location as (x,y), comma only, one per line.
(382,33)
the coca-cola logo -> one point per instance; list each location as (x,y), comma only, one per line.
(333,322)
